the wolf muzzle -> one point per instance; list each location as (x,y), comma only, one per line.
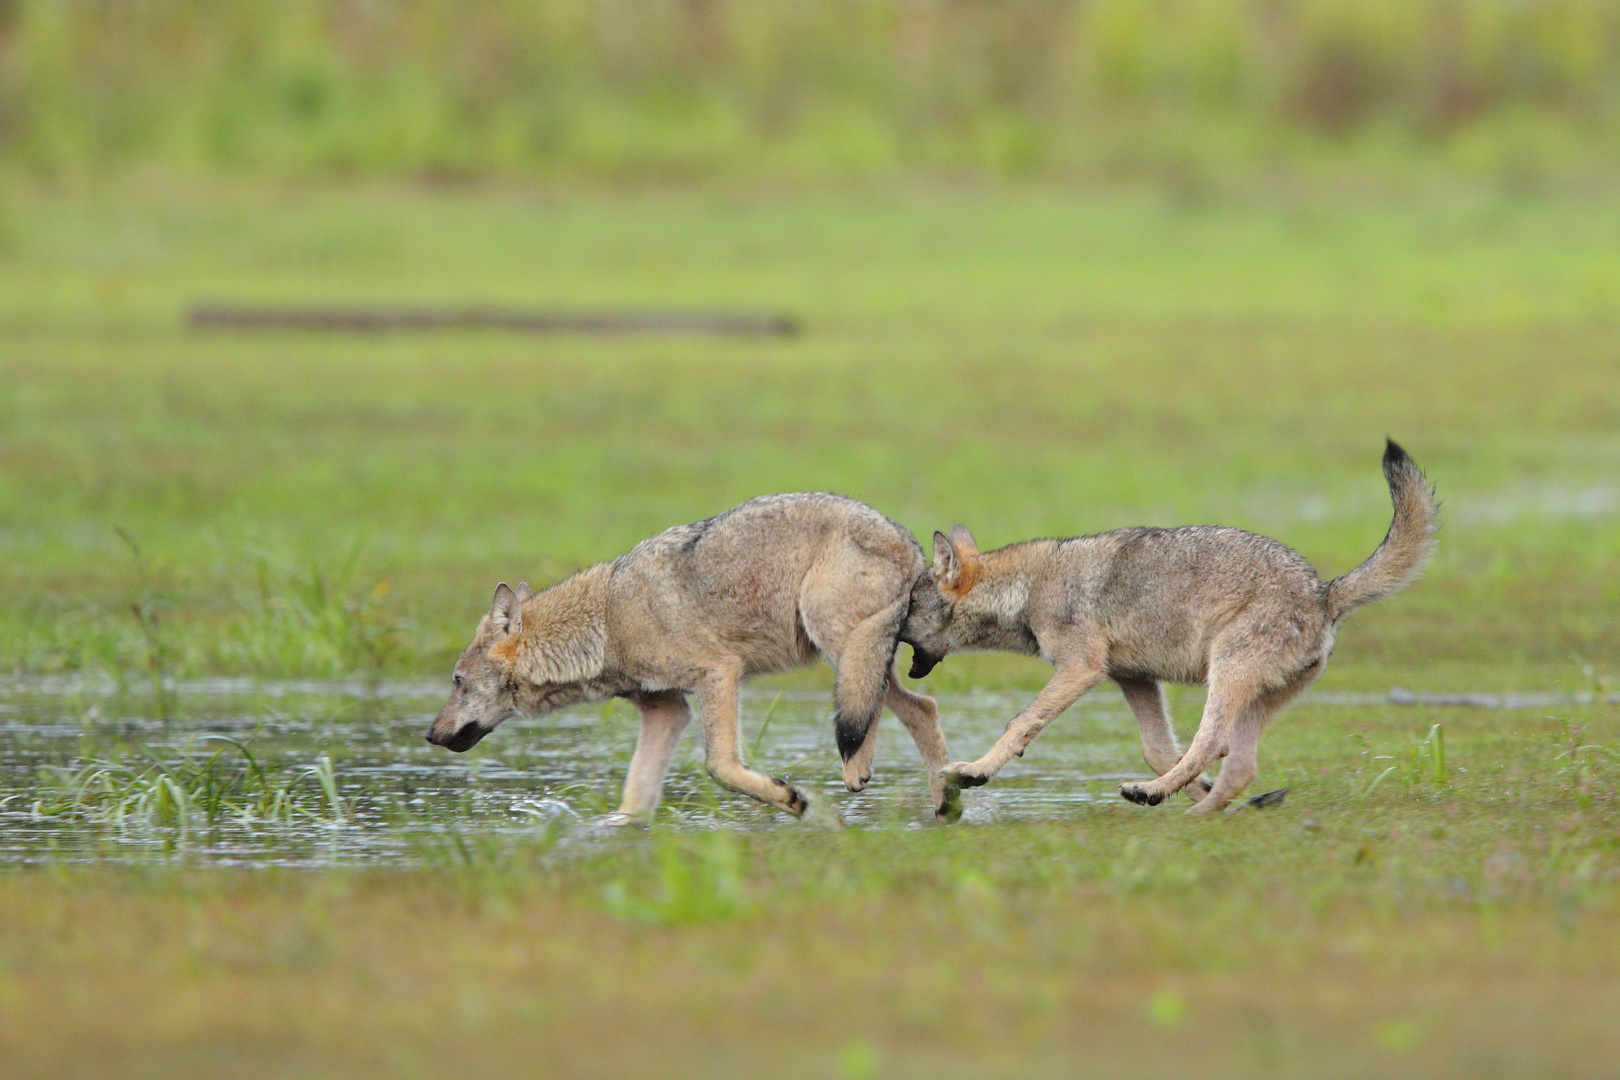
(922,663)
(459,741)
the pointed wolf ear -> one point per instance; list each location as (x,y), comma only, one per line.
(506,610)
(947,567)
(523,592)
(956,563)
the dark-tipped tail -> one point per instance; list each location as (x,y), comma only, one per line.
(859,699)
(1407,546)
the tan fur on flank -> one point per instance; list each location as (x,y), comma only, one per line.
(1200,604)
(766,586)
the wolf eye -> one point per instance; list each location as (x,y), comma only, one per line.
(458,681)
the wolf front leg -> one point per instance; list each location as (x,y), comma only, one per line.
(663,717)
(717,698)
(920,716)
(1070,683)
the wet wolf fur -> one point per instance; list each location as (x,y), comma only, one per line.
(763,587)
(1199,604)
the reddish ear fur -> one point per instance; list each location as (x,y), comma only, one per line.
(956,562)
(506,620)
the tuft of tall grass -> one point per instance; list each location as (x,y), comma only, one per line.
(259,613)
(677,88)
(145,789)
(324,618)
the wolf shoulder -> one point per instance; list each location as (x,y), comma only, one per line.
(783,532)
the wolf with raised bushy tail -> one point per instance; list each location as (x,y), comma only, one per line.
(766,586)
(1201,604)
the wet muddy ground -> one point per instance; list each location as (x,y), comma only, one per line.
(307,774)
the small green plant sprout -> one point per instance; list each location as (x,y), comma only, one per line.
(765,725)
(1166,1009)
(1429,756)
(148,604)
(1379,779)
(1581,761)
(325,775)
(858,1061)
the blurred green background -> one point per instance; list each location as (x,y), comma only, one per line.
(1190,91)
(1062,267)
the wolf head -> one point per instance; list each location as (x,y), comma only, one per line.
(930,624)
(484,690)
(532,653)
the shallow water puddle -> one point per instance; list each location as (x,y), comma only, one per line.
(230,772)
(326,773)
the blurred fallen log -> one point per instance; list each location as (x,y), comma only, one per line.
(217,316)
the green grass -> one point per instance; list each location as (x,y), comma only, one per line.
(1026,361)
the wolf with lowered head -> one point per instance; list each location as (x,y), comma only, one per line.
(763,587)
(1201,604)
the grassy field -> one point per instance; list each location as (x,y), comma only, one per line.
(1026,361)
(1461,928)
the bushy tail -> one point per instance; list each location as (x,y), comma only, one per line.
(863,671)
(1400,558)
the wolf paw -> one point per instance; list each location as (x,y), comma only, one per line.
(963,775)
(1141,794)
(617,823)
(619,819)
(856,779)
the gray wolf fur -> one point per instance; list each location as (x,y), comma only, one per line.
(763,587)
(1201,604)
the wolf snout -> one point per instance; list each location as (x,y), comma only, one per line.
(921,663)
(458,740)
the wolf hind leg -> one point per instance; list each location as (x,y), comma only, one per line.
(1159,747)
(1242,748)
(1230,693)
